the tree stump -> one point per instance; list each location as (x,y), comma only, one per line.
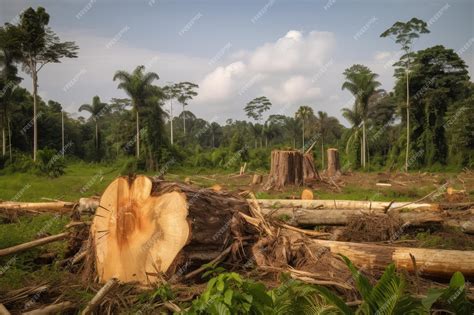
(310,173)
(333,162)
(257,179)
(145,229)
(286,169)
(307,194)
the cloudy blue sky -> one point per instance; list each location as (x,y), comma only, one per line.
(294,52)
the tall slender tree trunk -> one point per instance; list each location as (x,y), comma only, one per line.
(171,120)
(9,139)
(138,135)
(4,141)
(35,125)
(62,131)
(363,144)
(303,135)
(361,150)
(408,121)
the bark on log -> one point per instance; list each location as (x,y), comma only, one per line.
(312,217)
(286,169)
(430,262)
(342,204)
(144,228)
(310,173)
(333,162)
(35,243)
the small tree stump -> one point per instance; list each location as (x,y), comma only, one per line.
(310,173)
(307,194)
(257,179)
(286,169)
(333,162)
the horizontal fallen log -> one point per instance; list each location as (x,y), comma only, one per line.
(51,309)
(312,217)
(35,243)
(341,204)
(53,206)
(464,226)
(430,262)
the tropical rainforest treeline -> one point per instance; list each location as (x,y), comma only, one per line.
(426,121)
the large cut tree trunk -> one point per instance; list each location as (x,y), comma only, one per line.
(333,162)
(286,169)
(430,262)
(309,171)
(145,228)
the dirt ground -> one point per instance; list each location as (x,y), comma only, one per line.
(354,186)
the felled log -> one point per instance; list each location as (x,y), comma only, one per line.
(35,243)
(310,173)
(464,226)
(54,206)
(286,169)
(51,309)
(343,204)
(430,262)
(333,162)
(146,228)
(313,217)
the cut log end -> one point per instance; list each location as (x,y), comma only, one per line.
(136,233)
(144,229)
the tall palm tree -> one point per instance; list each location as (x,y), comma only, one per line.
(362,83)
(137,85)
(322,123)
(304,113)
(354,117)
(8,82)
(96,109)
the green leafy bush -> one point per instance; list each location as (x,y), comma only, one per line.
(229,293)
(50,162)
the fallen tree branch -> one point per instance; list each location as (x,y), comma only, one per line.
(193,273)
(303,231)
(3,310)
(54,206)
(416,201)
(35,243)
(51,309)
(101,294)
